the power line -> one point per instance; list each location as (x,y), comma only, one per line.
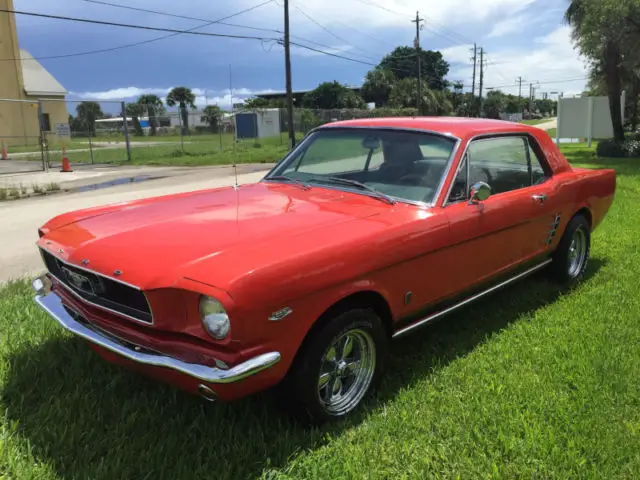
(143,42)
(444,29)
(329,31)
(142,27)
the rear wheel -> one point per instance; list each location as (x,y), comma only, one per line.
(572,255)
(338,367)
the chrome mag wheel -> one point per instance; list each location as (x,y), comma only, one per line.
(577,252)
(346,371)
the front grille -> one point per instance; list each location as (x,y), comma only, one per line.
(98,290)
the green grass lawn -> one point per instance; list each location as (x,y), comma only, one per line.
(528,383)
(536,121)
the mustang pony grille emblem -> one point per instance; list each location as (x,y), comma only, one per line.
(80,282)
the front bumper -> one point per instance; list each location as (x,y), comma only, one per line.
(52,304)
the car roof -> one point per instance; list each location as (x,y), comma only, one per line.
(460,127)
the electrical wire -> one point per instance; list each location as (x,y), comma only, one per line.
(174,32)
(308,17)
(449,36)
(197,19)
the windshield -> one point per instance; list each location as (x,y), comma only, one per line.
(404,165)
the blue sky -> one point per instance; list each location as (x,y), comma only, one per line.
(522,37)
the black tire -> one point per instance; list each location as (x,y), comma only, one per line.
(563,268)
(302,390)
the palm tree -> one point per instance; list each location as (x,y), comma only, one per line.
(154,106)
(576,16)
(87,114)
(184,98)
(211,114)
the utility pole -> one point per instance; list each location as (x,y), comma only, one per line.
(481,77)
(473,82)
(532,96)
(287,67)
(417,45)
(519,80)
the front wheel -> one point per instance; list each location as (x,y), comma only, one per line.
(572,255)
(338,367)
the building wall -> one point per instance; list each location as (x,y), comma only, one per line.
(19,121)
(12,119)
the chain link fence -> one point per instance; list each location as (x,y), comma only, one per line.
(113,132)
(20,136)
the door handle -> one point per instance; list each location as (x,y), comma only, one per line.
(540,198)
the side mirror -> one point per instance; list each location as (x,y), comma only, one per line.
(480,191)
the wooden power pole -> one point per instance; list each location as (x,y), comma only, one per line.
(287,67)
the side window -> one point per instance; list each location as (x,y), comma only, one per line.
(538,175)
(502,162)
(460,188)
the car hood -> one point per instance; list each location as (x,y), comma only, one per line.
(154,242)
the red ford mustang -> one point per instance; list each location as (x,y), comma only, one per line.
(367,230)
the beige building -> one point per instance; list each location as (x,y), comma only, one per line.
(23,78)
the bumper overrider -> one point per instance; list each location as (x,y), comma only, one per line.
(49,301)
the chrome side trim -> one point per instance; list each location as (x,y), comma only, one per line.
(88,270)
(430,318)
(101,307)
(52,304)
(554,227)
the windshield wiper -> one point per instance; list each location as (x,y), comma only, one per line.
(289,179)
(354,183)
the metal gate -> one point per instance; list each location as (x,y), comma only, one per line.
(33,138)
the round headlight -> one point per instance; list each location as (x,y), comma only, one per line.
(214,318)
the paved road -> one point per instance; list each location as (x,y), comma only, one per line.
(551,124)
(19,220)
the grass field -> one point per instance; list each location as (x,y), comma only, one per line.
(169,150)
(535,122)
(528,383)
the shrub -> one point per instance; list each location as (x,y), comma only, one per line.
(611,148)
(630,147)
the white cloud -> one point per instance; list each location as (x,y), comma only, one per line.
(508,26)
(550,60)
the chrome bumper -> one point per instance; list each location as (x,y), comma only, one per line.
(52,304)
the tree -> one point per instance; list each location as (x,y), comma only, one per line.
(87,113)
(405,95)
(256,102)
(211,115)
(152,105)
(608,32)
(377,86)
(403,63)
(332,95)
(494,104)
(184,98)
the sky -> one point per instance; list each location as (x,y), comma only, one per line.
(521,38)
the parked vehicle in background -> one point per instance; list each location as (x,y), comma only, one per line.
(366,231)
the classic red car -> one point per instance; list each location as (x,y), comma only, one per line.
(366,231)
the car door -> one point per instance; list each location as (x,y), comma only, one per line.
(509,227)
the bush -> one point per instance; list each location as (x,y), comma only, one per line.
(630,147)
(611,148)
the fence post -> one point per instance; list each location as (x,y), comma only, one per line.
(126,131)
(90,148)
(45,166)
